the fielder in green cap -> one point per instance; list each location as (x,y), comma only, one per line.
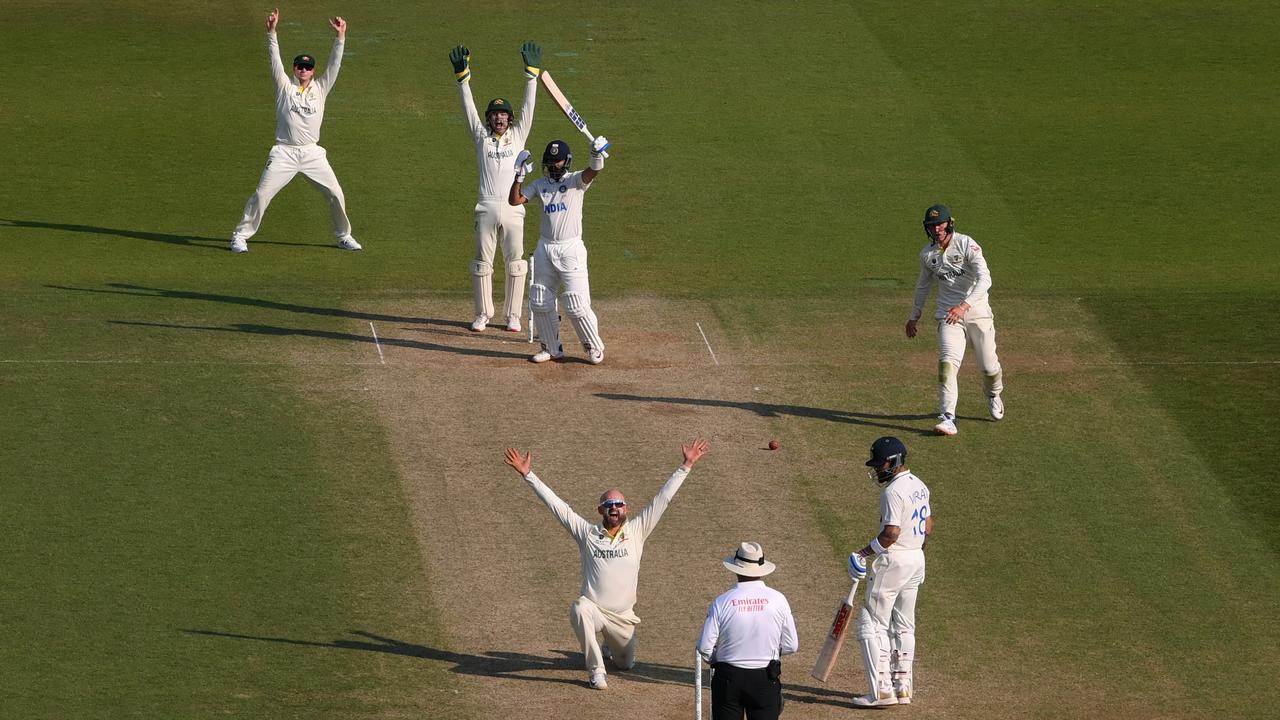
(956,263)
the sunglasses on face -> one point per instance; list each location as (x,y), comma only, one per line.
(304,67)
(613,504)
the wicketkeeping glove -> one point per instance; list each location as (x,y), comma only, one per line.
(460,56)
(532,55)
(857,566)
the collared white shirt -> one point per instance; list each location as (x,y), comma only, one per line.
(904,503)
(962,276)
(561,204)
(300,112)
(748,627)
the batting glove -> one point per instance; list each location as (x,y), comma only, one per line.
(532,56)
(599,145)
(524,165)
(857,566)
(460,57)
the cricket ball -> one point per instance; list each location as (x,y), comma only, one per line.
(773,444)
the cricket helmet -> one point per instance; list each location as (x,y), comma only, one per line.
(556,151)
(886,450)
(937,215)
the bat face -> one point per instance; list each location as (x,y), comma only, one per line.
(835,638)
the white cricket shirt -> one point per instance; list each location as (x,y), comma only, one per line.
(961,273)
(299,112)
(496,154)
(748,627)
(610,565)
(904,502)
(561,206)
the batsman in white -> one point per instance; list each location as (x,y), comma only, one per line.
(498,140)
(300,104)
(747,631)
(956,263)
(561,258)
(887,620)
(610,553)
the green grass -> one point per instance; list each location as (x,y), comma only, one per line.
(188,534)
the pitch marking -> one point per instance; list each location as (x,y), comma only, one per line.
(381,360)
(708,343)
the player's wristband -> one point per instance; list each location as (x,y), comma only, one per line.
(532,72)
(466,73)
(877,548)
(597,162)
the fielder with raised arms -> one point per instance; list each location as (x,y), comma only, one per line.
(887,621)
(498,140)
(956,263)
(610,552)
(300,102)
(561,257)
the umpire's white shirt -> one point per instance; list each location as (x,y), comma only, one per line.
(299,112)
(748,627)
(611,565)
(561,206)
(904,503)
(962,276)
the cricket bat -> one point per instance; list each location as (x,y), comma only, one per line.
(835,638)
(554,91)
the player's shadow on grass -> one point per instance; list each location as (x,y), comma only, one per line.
(329,335)
(143,291)
(189,240)
(767,410)
(491,663)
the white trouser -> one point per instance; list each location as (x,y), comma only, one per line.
(590,621)
(563,265)
(283,163)
(979,328)
(499,221)
(890,603)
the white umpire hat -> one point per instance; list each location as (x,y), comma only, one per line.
(749,561)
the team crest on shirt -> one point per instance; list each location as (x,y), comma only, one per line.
(563,188)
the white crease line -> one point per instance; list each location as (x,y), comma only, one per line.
(179,362)
(381,360)
(708,342)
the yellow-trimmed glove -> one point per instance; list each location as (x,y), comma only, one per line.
(460,57)
(531,53)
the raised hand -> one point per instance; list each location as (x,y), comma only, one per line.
(339,26)
(523,464)
(460,57)
(694,450)
(531,53)
(273,19)
(524,165)
(600,145)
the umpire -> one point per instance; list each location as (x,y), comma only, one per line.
(747,630)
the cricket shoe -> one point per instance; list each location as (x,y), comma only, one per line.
(884,698)
(239,245)
(903,693)
(598,682)
(946,424)
(595,357)
(544,355)
(348,243)
(480,323)
(513,323)
(996,406)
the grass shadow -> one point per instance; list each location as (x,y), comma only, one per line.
(490,663)
(275,331)
(769,410)
(187,240)
(143,291)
